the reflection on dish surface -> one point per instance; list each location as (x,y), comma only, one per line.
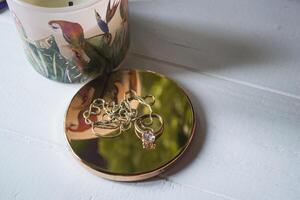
(124,155)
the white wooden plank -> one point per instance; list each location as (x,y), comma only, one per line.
(252,154)
(31,169)
(250,42)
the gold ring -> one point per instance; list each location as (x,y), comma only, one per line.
(144,131)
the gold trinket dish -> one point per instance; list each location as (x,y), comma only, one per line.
(129,126)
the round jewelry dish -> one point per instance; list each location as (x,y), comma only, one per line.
(121,157)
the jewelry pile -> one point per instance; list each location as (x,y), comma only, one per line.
(111,115)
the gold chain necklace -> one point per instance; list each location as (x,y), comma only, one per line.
(111,115)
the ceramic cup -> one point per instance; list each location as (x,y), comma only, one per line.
(72,40)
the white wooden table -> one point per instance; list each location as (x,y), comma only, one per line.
(239,62)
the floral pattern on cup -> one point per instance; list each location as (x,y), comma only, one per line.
(82,57)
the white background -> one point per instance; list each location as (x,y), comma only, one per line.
(238,60)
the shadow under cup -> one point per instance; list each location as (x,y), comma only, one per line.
(72,41)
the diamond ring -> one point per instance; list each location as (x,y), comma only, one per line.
(145,130)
